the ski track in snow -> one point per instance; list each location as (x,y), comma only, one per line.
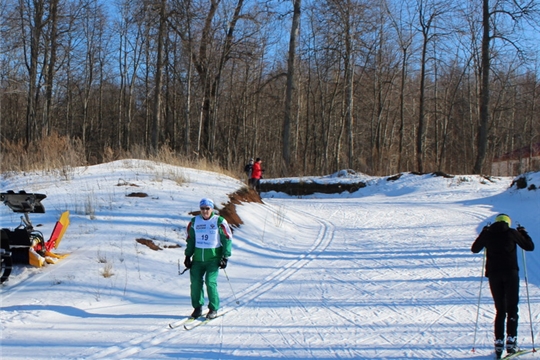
(151,342)
(392,312)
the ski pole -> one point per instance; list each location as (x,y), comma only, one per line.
(528,300)
(229,281)
(479,298)
(181,272)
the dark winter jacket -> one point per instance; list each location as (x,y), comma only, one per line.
(500,242)
(248,169)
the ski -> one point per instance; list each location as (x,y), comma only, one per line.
(516,354)
(179,323)
(191,322)
(195,324)
(192,325)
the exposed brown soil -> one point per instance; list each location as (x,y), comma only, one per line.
(152,245)
(308,187)
(244,195)
(137,194)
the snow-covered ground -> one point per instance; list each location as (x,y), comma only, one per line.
(382,273)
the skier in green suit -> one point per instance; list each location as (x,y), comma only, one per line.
(209,243)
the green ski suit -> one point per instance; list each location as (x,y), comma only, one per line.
(208,241)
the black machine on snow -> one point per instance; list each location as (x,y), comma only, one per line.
(24,244)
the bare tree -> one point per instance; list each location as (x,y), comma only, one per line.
(295,28)
(402,21)
(322,88)
(233,81)
(347,14)
(32,22)
(156,123)
(493,18)
(428,13)
(132,36)
(93,28)
(49,76)
(484,89)
(208,64)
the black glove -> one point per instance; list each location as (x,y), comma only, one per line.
(187,262)
(223,263)
(521,230)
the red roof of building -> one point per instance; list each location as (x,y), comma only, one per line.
(522,153)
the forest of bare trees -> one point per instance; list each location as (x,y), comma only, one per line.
(312,86)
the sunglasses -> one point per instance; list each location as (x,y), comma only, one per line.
(206,208)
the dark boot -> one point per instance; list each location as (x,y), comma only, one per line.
(212,314)
(511,345)
(196,312)
(499,347)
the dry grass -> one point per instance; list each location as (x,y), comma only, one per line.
(52,154)
(107,270)
(59,154)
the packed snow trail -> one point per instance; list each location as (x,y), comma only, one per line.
(386,280)
(384,273)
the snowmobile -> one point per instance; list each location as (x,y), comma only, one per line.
(24,244)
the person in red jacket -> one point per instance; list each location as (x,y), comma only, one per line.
(256,175)
(501,243)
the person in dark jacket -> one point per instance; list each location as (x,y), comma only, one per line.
(248,169)
(502,270)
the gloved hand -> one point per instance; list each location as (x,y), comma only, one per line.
(223,263)
(187,262)
(521,230)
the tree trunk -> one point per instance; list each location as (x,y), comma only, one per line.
(349,100)
(295,28)
(156,114)
(421,102)
(482,136)
(187,115)
(49,80)
(35,28)
(402,109)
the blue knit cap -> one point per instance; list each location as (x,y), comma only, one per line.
(206,202)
